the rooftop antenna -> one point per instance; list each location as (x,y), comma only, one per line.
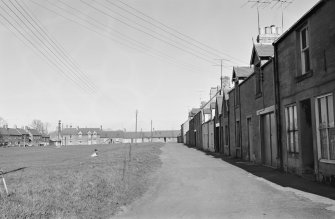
(258,4)
(283,5)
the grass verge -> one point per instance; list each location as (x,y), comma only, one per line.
(67,183)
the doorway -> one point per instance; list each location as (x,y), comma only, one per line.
(307,151)
(269,140)
(249,132)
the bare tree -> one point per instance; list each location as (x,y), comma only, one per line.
(2,122)
(46,126)
(38,125)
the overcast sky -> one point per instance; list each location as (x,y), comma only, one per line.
(115,57)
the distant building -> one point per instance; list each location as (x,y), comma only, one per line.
(35,137)
(78,136)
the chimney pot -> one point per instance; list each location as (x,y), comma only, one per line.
(267,30)
(279,30)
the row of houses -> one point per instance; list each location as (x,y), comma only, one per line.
(280,112)
(89,136)
(22,137)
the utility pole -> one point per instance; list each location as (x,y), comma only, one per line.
(221,77)
(151,132)
(59,130)
(136,127)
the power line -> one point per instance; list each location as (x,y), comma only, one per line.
(33,45)
(119,33)
(54,46)
(35,48)
(102,32)
(58,45)
(178,32)
(162,29)
(149,34)
(45,47)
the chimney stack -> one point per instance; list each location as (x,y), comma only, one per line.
(268,34)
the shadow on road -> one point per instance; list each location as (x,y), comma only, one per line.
(278,177)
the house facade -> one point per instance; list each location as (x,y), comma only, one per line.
(198,129)
(35,137)
(21,137)
(305,70)
(80,136)
(218,145)
(239,74)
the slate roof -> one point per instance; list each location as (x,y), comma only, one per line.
(207,111)
(112,134)
(45,136)
(212,106)
(34,132)
(12,132)
(22,131)
(9,131)
(69,131)
(84,131)
(241,72)
(165,133)
(264,49)
(155,134)
(193,112)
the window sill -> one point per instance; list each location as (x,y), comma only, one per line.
(327,161)
(304,76)
(258,95)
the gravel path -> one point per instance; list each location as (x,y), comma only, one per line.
(191,184)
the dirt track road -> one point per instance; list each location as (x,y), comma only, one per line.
(191,184)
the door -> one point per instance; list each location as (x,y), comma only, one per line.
(269,140)
(266,140)
(238,140)
(249,132)
(273,136)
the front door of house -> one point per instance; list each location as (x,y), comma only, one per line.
(269,140)
(249,129)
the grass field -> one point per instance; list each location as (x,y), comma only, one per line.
(66,182)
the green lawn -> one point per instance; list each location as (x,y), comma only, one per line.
(67,183)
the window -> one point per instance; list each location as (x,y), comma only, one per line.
(238,134)
(292,128)
(304,51)
(237,95)
(226,135)
(325,126)
(259,81)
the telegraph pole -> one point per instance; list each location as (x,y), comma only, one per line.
(221,77)
(151,132)
(59,130)
(136,127)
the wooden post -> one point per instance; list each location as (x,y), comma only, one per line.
(4,182)
(130,152)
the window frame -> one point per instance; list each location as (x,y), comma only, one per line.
(304,50)
(329,125)
(292,129)
(259,80)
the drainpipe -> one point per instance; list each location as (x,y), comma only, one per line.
(277,107)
